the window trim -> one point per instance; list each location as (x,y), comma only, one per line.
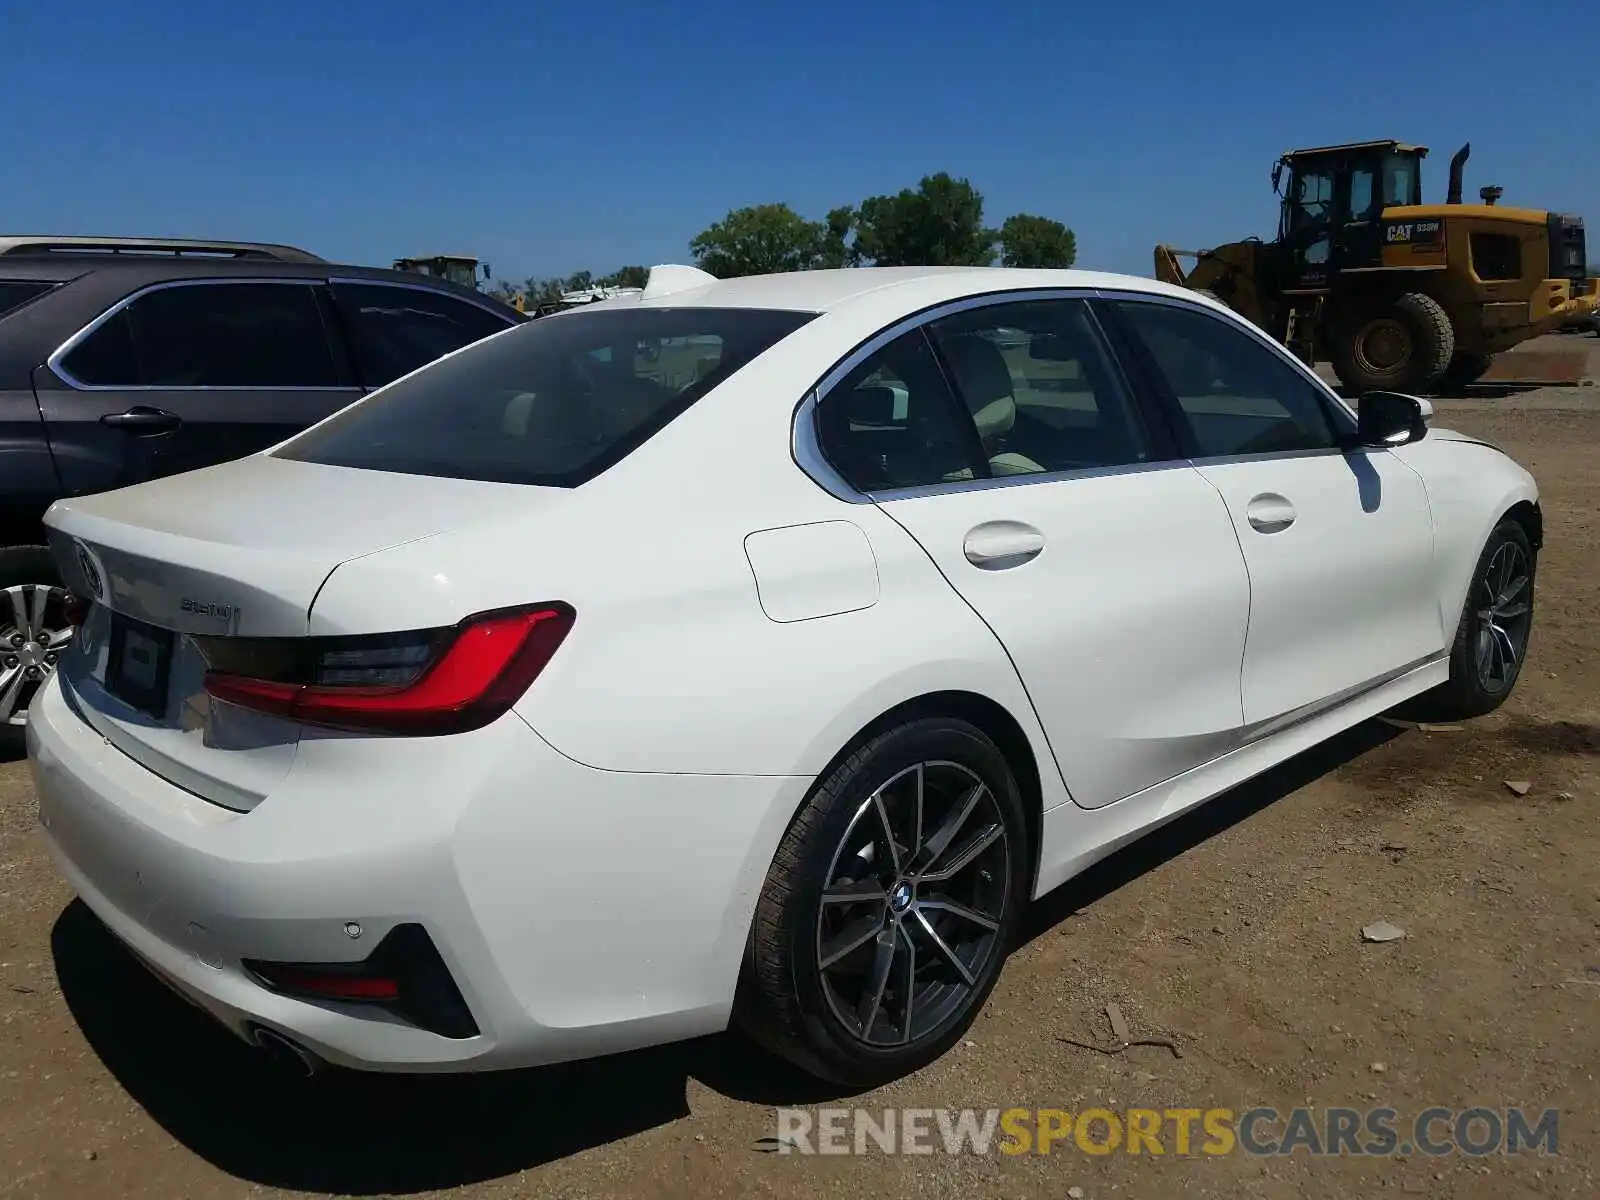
(1341,418)
(806,442)
(54,361)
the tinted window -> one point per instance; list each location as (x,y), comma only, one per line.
(397,329)
(892,422)
(1238,396)
(210,335)
(554,401)
(1040,387)
(14,293)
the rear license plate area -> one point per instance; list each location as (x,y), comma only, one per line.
(138,664)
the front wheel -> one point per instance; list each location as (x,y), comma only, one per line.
(889,907)
(33,634)
(1404,347)
(1492,637)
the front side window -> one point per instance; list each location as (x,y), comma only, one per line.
(553,402)
(397,329)
(228,335)
(1236,395)
(1041,388)
(892,422)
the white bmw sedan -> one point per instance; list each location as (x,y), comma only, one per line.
(746,651)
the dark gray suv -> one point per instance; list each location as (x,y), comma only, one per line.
(122,359)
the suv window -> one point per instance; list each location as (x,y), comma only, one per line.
(397,329)
(892,422)
(1237,396)
(14,293)
(1041,388)
(239,335)
(554,402)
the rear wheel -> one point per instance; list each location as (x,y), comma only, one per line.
(1492,636)
(889,907)
(1404,347)
(33,633)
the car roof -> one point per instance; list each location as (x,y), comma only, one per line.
(907,288)
(139,270)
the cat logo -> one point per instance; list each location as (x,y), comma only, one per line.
(1398,233)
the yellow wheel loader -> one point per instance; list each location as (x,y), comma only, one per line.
(1398,295)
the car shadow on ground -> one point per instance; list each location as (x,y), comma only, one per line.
(356,1134)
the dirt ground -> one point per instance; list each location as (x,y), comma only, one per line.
(1235,933)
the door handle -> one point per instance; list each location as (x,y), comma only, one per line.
(998,545)
(143,420)
(1270,513)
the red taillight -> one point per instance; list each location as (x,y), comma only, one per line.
(479,670)
(309,982)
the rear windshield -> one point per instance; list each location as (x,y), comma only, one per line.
(14,293)
(552,402)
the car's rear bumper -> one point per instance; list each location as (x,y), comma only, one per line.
(578,911)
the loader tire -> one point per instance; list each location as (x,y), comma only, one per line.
(1406,346)
(1463,371)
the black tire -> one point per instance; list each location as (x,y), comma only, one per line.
(1463,371)
(1468,693)
(792,1002)
(1423,341)
(28,567)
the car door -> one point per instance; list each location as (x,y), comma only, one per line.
(1338,539)
(395,328)
(1004,440)
(183,374)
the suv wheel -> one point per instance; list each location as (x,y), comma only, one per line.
(33,634)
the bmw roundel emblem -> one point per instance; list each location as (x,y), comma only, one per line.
(91,572)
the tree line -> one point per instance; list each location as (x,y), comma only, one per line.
(937,223)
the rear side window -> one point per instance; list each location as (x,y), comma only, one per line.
(240,335)
(552,402)
(14,293)
(395,330)
(1041,388)
(893,423)
(1236,395)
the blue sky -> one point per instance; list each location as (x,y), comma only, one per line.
(548,137)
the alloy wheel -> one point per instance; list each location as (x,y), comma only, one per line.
(1505,616)
(912,906)
(33,634)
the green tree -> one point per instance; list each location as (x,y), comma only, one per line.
(626,277)
(578,281)
(938,224)
(1029,241)
(758,240)
(837,250)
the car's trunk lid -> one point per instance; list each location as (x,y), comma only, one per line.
(234,551)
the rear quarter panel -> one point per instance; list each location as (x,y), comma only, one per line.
(1471,486)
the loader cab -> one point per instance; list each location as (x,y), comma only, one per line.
(1332,200)
(457,268)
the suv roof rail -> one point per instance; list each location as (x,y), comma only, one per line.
(22,244)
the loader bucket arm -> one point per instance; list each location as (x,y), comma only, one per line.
(1169,269)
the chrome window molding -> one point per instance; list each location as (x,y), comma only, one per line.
(806,449)
(54,361)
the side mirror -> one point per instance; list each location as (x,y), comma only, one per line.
(1391,419)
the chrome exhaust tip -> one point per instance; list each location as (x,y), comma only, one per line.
(286,1053)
